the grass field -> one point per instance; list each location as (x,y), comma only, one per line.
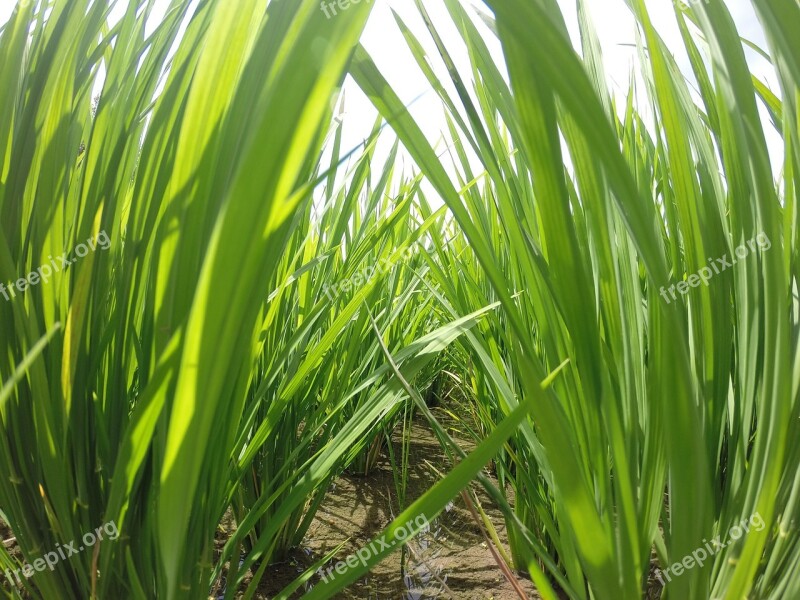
(240,359)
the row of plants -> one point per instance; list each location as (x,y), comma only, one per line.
(201,366)
(672,421)
(196,366)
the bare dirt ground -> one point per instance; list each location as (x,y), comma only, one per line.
(452,560)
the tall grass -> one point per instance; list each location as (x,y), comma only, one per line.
(200,365)
(673,420)
(196,366)
(135,412)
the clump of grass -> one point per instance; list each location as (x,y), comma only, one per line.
(137,410)
(692,397)
(199,366)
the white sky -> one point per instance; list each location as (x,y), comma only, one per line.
(612,20)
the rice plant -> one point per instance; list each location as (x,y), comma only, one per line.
(672,422)
(212,308)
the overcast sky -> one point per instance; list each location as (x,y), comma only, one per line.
(612,19)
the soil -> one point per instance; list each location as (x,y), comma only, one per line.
(5,532)
(451,560)
(6,536)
